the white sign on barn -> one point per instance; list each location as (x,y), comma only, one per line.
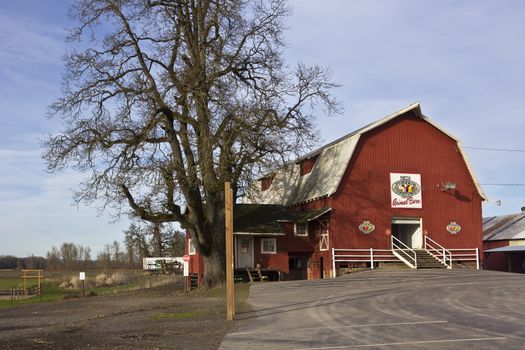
(405,190)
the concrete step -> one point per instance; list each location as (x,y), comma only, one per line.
(427,261)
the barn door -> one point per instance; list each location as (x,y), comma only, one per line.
(408,231)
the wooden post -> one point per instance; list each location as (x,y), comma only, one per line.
(228,216)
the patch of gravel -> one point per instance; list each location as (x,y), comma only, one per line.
(156,318)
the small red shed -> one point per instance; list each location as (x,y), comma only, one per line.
(504,242)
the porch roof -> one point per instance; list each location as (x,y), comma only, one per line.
(264,219)
(304,216)
(507,249)
(256,219)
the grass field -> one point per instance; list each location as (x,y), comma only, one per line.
(51,290)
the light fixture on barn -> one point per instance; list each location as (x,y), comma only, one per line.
(447,186)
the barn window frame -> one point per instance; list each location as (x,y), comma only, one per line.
(191,247)
(300,232)
(273,243)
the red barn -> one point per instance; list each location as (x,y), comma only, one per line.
(398,190)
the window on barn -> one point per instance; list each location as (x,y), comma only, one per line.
(268,246)
(301,229)
(306,166)
(191,247)
(266,183)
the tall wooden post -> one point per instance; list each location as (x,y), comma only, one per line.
(228,216)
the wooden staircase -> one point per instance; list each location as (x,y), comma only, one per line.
(426,261)
(255,275)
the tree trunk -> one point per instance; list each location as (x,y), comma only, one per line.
(157,240)
(215,268)
(215,261)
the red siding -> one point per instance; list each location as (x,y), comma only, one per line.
(266,183)
(406,144)
(196,264)
(306,165)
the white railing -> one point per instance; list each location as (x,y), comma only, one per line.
(370,255)
(470,254)
(401,251)
(404,252)
(438,251)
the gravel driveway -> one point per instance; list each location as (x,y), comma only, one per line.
(156,318)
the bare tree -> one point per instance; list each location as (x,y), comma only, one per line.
(135,238)
(69,256)
(173,98)
(117,252)
(104,257)
(53,259)
(84,256)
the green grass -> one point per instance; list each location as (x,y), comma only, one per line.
(11,282)
(52,292)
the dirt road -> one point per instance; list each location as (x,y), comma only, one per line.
(159,318)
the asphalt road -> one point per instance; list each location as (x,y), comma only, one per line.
(381,309)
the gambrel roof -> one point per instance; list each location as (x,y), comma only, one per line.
(288,187)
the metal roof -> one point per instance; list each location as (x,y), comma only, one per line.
(258,219)
(504,227)
(263,219)
(304,216)
(507,249)
(288,187)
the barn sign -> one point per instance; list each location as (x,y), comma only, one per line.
(453,228)
(405,190)
(366,227)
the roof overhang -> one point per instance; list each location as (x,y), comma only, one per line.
(259,233)
(507,249)
(307,216)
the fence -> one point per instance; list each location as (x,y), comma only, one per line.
(370,255)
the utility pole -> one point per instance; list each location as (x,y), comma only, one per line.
(228,216)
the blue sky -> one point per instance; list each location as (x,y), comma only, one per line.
(464,61)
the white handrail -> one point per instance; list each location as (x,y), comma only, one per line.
(369,255)
(441,253)
(396,248)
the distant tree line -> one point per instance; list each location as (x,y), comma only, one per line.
(140,241)
(31,262)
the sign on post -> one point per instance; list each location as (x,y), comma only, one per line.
(82,277)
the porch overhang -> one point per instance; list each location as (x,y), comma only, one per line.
(307,216)
(259,233)
(507,249)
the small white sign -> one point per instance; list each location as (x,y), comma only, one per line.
(186,270)
(82,276)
